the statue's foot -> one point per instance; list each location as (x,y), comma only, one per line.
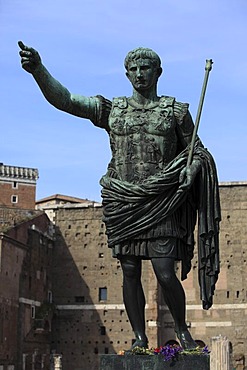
(186,340)
(142,343)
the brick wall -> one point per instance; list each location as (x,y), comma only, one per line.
(25,277)
(24,195)
(87,324)
(83,264)
(228,314)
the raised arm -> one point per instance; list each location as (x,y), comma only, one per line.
(54,92)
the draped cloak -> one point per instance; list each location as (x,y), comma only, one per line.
(131,209)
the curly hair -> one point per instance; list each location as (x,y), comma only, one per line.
(143,53)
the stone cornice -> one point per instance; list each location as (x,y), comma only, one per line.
(232,183)
(18,173)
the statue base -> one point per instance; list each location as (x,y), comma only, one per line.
(153,362)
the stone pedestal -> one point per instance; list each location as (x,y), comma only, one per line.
(155,362)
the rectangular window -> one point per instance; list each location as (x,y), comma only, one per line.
(14,199)
(33,312)
(49,296)
(102,330)
(103,294)
(15,185)
(1,331)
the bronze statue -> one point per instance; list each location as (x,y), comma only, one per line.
(151,197)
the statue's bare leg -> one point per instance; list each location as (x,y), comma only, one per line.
(134,298)
(174,296)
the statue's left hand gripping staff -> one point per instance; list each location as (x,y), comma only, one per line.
(189,172)
(208,68)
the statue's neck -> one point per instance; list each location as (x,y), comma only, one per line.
(145,97)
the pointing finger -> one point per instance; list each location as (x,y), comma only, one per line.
(22,46)
(26,48)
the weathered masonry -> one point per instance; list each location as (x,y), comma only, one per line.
(66,268)
(87,282)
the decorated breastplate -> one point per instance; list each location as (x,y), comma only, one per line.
(143,141)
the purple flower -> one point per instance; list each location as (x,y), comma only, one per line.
(205,350)
(170,352)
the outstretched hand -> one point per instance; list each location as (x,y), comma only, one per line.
(30,58)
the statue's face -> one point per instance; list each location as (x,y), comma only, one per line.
(142,74)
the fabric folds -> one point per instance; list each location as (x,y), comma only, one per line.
(130,209)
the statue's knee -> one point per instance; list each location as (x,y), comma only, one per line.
(130,271)
(166,279)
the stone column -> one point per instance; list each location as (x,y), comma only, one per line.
(43,359)
(24,361)
(220,354)
(57,362)
(34,355)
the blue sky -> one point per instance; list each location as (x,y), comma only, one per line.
(83,44)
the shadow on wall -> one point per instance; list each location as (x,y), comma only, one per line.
(78,330)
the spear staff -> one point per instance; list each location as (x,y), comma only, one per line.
(208,68)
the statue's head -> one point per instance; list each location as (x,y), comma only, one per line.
(142,53)
(143,68)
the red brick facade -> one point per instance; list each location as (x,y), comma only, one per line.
(17,187)
(25,291)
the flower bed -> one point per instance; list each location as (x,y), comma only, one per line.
(169,352)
